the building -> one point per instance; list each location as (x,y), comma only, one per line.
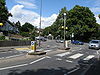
(8,27)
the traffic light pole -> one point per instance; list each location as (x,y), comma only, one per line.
(64,28)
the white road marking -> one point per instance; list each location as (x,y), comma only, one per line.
(39,49)
(58,59)
(73,71)
(48,57)
(69,61)
(2,58)
(80,48)
(24,64)
(89,57)
(37,60)
(63,54)
(13,67)
(47,50)
(75,56)
(13,56)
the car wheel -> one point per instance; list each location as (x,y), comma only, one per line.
(89,47)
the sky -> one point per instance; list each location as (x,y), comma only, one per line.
(29,10)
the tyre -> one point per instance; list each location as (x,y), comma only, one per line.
(89,47)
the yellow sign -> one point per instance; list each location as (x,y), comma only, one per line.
(1,24)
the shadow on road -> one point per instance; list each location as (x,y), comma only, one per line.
(95,69)
(59,71)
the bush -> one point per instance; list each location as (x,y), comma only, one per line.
(2,37)
(25,34)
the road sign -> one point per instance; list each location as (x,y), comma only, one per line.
(32,43)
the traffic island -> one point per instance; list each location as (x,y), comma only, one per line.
(64,48)
(67,48)
(37,53)
(34,51)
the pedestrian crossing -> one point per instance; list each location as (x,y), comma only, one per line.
(71,57)
(89,57)
(63,54)
(75,56)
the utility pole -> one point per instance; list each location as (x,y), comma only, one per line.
(40,23)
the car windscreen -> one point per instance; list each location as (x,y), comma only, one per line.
(94,41)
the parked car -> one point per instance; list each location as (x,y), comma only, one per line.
(77,42)
(41,38)
(95,44)
(60,41)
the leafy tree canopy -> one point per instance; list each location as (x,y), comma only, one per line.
(99,15)
(27,27)
(27,30)
(4,14)
(79,20)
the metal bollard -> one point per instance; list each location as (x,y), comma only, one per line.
(66,44)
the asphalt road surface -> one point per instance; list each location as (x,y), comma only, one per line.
(55,62)
(8,53)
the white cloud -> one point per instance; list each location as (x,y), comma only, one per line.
(95,9)
(23,15)
(27,4)
(97,19)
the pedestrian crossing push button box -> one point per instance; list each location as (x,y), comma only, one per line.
(33,45)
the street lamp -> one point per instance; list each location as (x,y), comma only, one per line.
(1,24)
(64,28)
(40,23)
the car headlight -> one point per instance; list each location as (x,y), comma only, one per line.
(97,45)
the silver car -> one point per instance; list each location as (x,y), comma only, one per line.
(95,44)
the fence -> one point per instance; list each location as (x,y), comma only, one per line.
(14,43)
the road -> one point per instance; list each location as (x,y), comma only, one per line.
(55,62)
(8,52)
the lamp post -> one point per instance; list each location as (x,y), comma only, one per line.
(40,23)
(64,28)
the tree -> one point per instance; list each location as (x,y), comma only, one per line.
(81,22)
(28,30)
(27,27)
(4,14)
(99,16)
(18,25)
